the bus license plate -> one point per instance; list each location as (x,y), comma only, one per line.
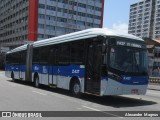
(135,91)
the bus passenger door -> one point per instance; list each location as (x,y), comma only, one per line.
(21,66)
(50,67)
(53,68)
(93,68)
(20,71)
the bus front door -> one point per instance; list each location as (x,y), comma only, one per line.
(93,68)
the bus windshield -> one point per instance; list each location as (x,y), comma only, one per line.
(128,60)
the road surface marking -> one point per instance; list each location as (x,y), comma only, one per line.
(91,108)
(101,111)
(56,95)
(13,85)
(39,93)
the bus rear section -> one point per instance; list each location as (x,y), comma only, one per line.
(18,63)
(15,65)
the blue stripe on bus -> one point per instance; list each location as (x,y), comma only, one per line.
(68,71)
(75,70)
(15,68)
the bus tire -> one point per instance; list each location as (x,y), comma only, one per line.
(76,88)
(36,82)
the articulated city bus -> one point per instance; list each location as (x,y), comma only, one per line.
(94,61)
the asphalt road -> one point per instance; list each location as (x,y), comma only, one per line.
(20,96)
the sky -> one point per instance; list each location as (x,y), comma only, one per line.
(116,14)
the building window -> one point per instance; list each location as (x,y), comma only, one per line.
(41,16)
(42,6)
(40,36)
(41,26)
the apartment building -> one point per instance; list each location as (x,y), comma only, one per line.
(23,21)
(141,19)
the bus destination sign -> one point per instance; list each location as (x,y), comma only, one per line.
(130,44)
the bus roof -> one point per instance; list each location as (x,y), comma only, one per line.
(23,47)
(93,32)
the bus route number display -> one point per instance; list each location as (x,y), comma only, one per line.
(129,44)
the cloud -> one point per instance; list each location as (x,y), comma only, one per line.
(120,27)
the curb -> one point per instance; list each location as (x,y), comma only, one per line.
(154,86)
(153,89)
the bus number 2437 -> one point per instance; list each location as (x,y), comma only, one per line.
(75,71)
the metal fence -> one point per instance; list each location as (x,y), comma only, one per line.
(154,80)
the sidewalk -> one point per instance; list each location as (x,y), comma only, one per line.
(154,87)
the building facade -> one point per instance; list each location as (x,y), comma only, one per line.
(144,20)
(23,21)
(153,47)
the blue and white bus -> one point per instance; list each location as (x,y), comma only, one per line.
(94,61)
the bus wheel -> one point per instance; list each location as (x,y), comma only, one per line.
(36,82)
(76,89)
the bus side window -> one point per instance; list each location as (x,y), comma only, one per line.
(44,51)
(64,54)
(77,52)
(53,55)
(7,59)
(15,58)
(22,55)
(36,55)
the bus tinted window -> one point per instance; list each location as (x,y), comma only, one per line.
(36,55)
(64,54)
(23,57)
(8,58)
(14,58)
(77,52)
(44,51)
